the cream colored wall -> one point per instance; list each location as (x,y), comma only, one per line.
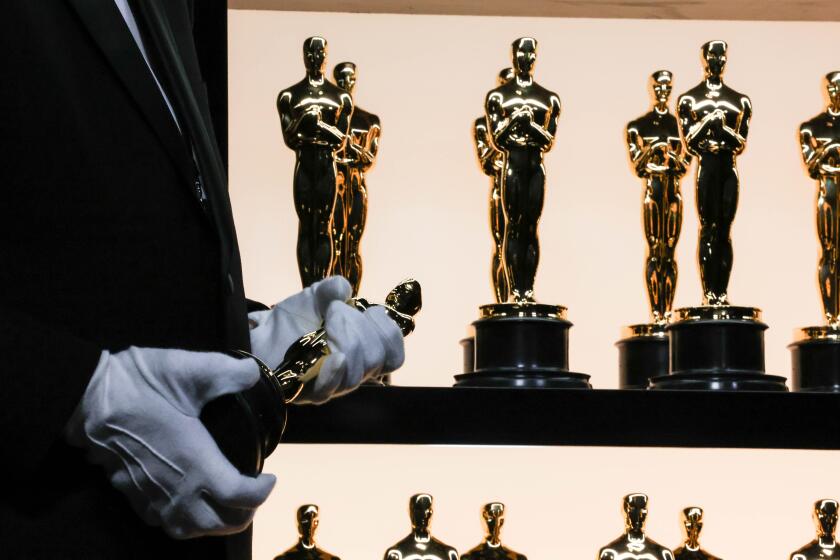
(426,77)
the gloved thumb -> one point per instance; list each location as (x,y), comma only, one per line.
(328,290)
(199,377)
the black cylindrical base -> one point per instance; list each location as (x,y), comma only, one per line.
(640,358)
(815,365)
(513,350)
(468,345)
(718,354)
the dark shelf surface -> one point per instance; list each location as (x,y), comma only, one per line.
(550,417)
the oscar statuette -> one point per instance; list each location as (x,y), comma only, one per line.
(248,426)
(716,346)
(306,549)
(420,543)
(517,342)
(634,544)
(824,547)
(315,116)
(692,518)
(492,548)
(815,352)
(658,157)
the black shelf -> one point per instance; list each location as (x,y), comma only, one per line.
(551,417)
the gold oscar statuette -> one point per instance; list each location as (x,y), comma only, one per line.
(716,346)
(315,117)
(816,350)
(306,549)
(511,139)
(353,161)
(658,157)
(692,518)
(492,548)
(634,544)
(824,547)
(420,544)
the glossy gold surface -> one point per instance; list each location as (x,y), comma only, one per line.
(714,122)
(819,139)
(634,544)
(306,549)
(651,330)
(522,122)
(492,163)
(492,548)
(824,547)
(420,544)
(718,313)
(352,162)
(826,332)
(522,310)
(315,118)
(658,157)
(692,519)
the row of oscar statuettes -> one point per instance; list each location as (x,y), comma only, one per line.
(633,544)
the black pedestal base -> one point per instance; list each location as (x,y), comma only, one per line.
(718,348)
(520,345)
(642,355)
(815,360)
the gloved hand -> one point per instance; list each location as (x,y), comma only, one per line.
(139,419)
(274,330)
(363,345)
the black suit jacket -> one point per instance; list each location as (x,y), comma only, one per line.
(103,244)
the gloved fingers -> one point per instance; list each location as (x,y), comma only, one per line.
(257,318)
(207,375)
(328,290)
(329,378)
(391,335)
(352,333)
(243,492)
(123,481)
(190,517)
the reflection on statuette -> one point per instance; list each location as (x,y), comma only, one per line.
(714,121)
(692,518)
(420,544)
(492,163)
(634,544)
(492,548)
(353,161)
(315,118)
(522,120)
(824,547)
(820,142)
(305,549)
(657,155)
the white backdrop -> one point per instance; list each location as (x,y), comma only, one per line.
(426,77)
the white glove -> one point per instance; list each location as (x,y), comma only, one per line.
(274,330)
(139,419)
(363,345)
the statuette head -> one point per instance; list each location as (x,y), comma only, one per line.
(825,516)
(660,83)
(714,58)
(832,85)
(420,511)
(524,55)
(635,512)
(315,54)
(693,524)
(494,518)
(307,519)
(345,76)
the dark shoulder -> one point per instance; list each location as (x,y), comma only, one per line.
(818,122)
(544,92)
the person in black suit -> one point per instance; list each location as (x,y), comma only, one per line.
(121,283)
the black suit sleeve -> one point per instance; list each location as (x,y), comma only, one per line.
(44,375)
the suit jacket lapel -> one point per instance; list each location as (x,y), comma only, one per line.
(107,27)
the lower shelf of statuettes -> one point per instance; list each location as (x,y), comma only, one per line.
(634,543)
(568,417)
